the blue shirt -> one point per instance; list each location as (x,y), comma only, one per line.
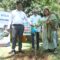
(34,21)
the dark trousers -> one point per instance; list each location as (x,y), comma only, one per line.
(17,30)
(37,40)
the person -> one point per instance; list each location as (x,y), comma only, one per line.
(17,23)
(35,28)
(49,31)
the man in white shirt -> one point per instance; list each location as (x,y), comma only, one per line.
(35,28)
(18,17)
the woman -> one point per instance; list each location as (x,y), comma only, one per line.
(49,30)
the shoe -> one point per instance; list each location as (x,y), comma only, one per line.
(20,51)
(37,49)
(57,44)
(12,52)
(55,52)
(33,51)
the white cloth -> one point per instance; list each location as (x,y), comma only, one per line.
(34,20)
(17,17)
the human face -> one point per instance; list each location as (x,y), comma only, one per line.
(19,6)
(35,12)
(46,12)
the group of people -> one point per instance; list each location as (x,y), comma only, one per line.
(48,23)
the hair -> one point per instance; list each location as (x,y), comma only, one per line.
(47,10)
(18,2)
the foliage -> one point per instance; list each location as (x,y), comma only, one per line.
(53,5)
(8,4)
(30,4)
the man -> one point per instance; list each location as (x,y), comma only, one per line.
(18,17)
(35,28)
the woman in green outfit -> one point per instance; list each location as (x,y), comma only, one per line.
(49,26)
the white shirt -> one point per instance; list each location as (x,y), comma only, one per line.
(34,20)
(17,17)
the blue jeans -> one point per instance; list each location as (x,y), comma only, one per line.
(17,30)
(37,40)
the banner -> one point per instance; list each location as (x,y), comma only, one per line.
(27,28)
(4,18)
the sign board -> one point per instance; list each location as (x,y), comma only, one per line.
(4,18)
(27,28)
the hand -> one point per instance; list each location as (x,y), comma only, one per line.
(47,22)
(37,25)
(32,25)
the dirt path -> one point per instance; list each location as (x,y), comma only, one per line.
(28,55)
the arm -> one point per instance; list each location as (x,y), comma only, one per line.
(9,23)
(54,21)
(41,21)
(31,22)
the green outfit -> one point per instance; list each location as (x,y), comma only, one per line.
(48,32)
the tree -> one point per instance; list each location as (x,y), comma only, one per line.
(30,4)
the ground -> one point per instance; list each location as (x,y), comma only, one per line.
(28,54)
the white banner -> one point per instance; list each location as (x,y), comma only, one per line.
(4,18)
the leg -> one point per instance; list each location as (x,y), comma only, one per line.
(20,34)
(20,43)
(14,37)
(37,38)
(32,35)
(55,39)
